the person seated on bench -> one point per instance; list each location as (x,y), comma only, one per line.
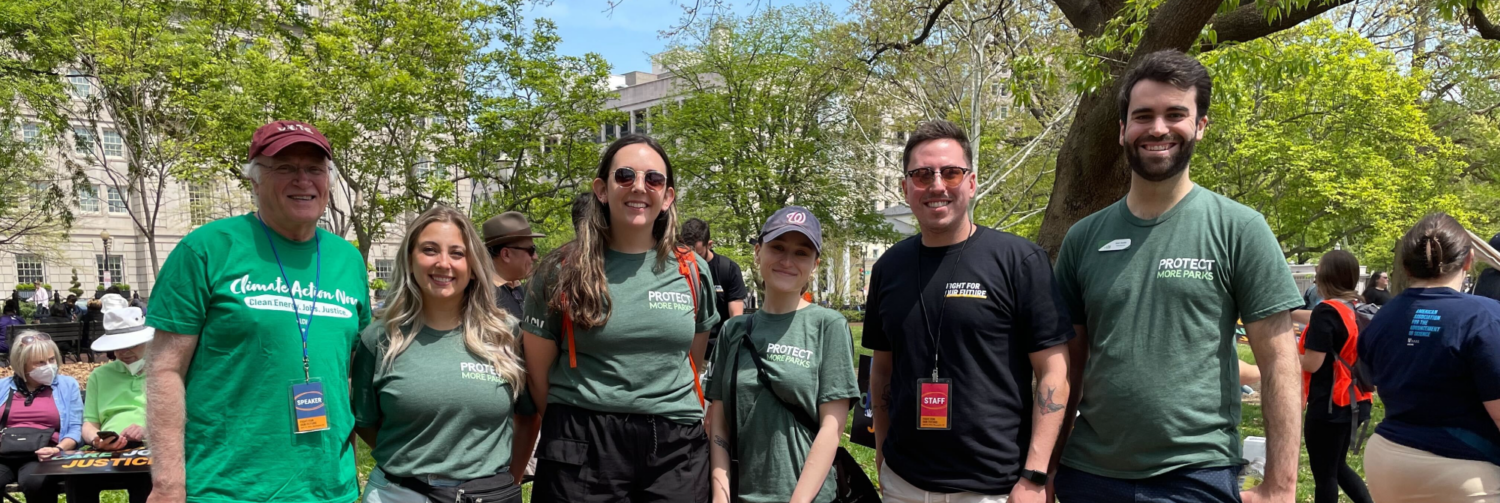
(116,402)
(37,397)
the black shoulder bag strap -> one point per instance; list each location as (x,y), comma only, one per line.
(853,484)
(732,416)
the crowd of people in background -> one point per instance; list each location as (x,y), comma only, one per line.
(625,366)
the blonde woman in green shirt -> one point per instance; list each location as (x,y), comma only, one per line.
(438,383)
(807,354)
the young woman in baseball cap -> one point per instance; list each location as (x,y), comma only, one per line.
(610,321)
(782,378)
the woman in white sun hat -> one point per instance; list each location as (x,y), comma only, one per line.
(114,411)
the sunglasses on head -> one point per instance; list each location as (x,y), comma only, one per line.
(28,339)
(952,176)
(625,177)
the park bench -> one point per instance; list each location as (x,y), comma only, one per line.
(73,337)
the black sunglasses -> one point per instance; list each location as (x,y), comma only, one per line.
(625,177)
(952,176)
(495,250)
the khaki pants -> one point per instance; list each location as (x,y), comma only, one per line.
(898,490)
(1401,474)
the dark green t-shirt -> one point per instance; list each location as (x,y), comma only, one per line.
(222,284)
(440,409)
(809,356)
(1160,299)
(637,362)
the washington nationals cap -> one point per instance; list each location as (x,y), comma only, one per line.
(271,138)
(793,219)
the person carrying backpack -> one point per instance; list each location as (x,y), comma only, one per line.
(1328,349)
(610,321)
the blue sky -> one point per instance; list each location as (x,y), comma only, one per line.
(628,34)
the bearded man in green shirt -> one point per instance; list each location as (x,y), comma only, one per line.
(1154,285)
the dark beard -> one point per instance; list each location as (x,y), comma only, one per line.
(1178,163)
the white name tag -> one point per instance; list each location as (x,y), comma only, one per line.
(1116,245)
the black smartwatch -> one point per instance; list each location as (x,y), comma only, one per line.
(1035,477)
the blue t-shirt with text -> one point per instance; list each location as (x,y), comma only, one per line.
(1435,358)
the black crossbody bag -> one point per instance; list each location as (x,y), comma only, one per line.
(853,485)
(497,488)
(20,442)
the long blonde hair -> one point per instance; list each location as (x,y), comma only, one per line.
(581,287)
(487,328)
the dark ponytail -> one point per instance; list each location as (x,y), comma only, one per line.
(1437,246)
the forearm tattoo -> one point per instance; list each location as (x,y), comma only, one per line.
(1045,403)
(719,441)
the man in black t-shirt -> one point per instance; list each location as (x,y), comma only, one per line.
(729,284)
(961,317)
(512,247)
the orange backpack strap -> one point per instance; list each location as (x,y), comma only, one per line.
(1343,377)
(687,266)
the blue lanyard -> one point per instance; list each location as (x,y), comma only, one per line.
(317,245)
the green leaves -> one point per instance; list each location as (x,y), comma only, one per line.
(1323,133)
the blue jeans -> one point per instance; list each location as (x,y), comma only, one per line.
(1187,485)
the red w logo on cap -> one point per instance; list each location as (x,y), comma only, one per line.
(796,218)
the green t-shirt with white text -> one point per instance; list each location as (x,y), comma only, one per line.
(222,284)
(440,409)
(809,356)
(637,363)
(1160,299)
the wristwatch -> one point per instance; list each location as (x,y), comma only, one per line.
(1035,477)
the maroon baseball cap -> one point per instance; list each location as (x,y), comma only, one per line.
(271,138)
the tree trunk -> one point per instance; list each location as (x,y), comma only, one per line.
(1091,170)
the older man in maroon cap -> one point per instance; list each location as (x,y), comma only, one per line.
(256,317)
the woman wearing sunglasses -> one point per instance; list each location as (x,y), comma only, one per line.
(37,398)
(438,381)
(610,322)
(808,357)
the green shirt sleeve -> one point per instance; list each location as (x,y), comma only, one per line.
(364,396)
(837,378)
(1262,281)
(91,401)
(536,318)
(707,315)
(718,377)
(179,302)
(1066,273)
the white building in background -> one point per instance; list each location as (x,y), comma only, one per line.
(101,211)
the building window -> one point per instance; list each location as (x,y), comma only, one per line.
(116,267)
(116,200)
(81,87)
(32,133)
(640,122)
(384,269)
(83,140)
(200,205)
(113,144)
(88,198)
(29,268)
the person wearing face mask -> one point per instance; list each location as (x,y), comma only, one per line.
(438,380)
(114,413)
(37,397)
